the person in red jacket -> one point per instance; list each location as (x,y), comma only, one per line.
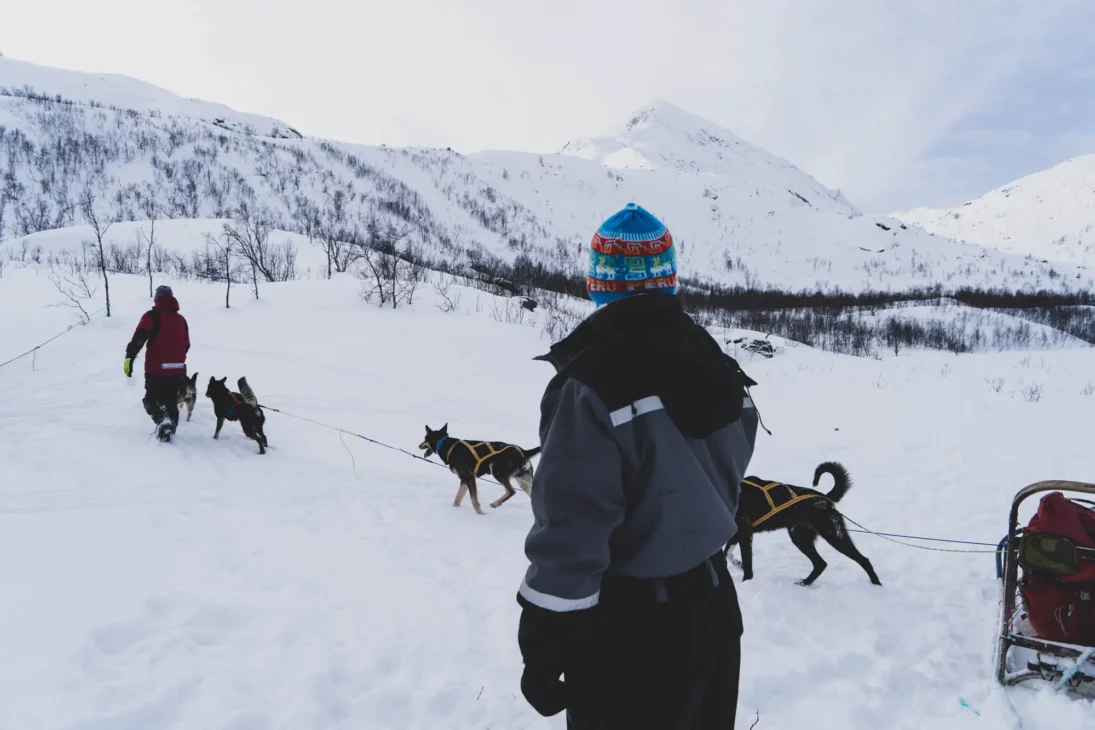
(167,335)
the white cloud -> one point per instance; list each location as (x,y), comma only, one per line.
(856,92)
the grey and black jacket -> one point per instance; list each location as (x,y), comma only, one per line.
(647,431)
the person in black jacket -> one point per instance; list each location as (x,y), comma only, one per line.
(629,616)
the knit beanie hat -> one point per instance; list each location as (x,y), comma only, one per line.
(632,252)
(162,290)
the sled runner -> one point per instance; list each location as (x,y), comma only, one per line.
(1047,602)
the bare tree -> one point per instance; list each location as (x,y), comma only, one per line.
(342,246)
(100,222)
(390,276)
(249,236)
(222,256)
(410,274)
(377,273)
(306,216)
(149,208)
(72,283)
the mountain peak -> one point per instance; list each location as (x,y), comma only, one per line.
(660,111)
(662,136)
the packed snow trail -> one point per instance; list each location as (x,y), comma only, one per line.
(198,584)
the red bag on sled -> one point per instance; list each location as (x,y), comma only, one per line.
(1061,607)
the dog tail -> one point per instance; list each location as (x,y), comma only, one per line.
(840,476)
(529,453)
(248,394)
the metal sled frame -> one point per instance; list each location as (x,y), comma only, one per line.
(1008,569)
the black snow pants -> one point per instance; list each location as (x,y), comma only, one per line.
(161,397)
(666,655)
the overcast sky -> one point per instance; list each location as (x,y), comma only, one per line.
(898,103)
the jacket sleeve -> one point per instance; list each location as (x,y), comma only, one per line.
(186,334)
(577,501)
(140,336)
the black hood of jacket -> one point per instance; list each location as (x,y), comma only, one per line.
(648,345)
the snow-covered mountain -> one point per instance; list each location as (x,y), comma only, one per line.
(662,136)
(1049,215)
(128,94)
(741,215)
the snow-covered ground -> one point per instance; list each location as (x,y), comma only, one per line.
(200,585)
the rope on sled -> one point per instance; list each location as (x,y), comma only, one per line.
(38,347)
(892,537)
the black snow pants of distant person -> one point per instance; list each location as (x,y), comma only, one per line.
(161,397)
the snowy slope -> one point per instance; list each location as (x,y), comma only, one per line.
(125,93)
(183,237)
(746,231)
(744,217)
(199,585)
(1050,215)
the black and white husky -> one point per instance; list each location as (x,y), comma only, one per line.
(242,406)
(188,395)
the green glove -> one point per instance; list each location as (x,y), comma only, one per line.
(128,367)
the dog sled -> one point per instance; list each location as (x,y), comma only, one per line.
(1047,602)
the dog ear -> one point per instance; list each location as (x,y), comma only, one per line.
(224,380)
(194,379)
(444,429)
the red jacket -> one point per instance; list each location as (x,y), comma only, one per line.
(168,338)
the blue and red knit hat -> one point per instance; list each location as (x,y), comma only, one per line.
(632,252)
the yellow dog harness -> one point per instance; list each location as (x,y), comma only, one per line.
(481,451)
(773,508)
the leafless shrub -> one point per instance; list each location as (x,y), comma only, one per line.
(509,311)
(443,286)
(1088,389)
(559,316)
(995,384)
(1031,393)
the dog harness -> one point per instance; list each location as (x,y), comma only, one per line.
(481,451)
(774,509)
(235,402)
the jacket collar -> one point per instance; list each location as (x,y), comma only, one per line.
(613,321)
